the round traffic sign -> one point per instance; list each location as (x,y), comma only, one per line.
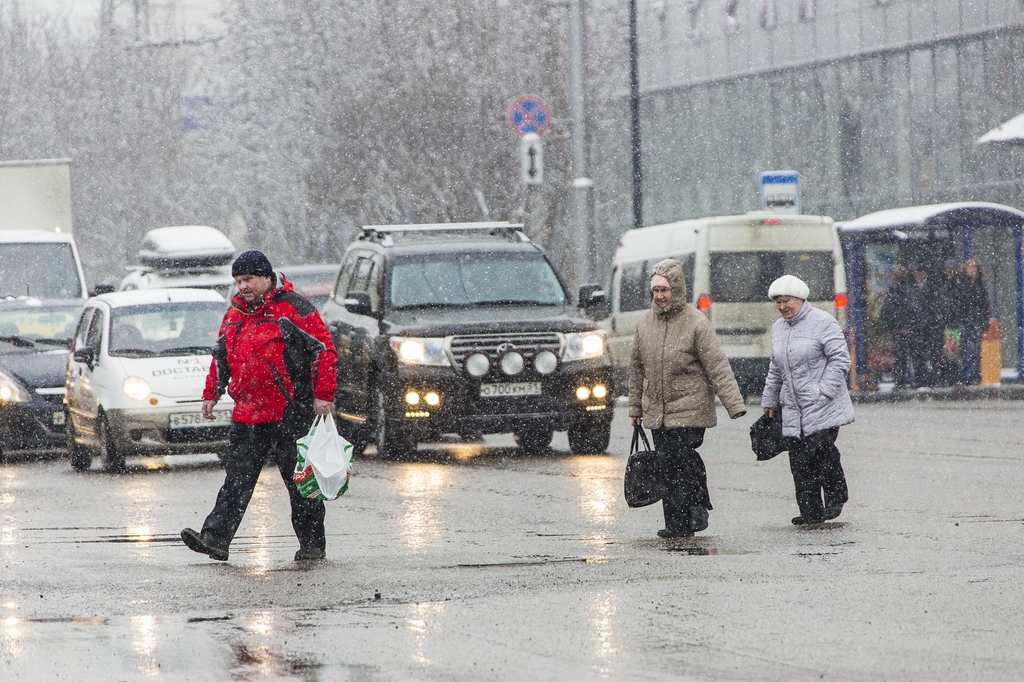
(528,114)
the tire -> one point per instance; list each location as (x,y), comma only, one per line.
(535,440)
(113,459)
(590,437)
(80,456)
(392,442)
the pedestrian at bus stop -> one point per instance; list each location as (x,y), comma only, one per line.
(276,359)
(676,368)
(975,315)
(807,380)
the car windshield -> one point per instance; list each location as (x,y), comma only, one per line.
(165,329)
(39,269)
(42,328)
(472,279)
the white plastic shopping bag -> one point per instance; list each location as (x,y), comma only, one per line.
(323,462)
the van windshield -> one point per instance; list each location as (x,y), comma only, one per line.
(744,276)
(472,279)
(39,269)
(170,328)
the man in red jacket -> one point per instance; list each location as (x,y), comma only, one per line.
(275,358)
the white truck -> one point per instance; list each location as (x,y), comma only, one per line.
(38,256)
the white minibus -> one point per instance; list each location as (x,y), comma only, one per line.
(729,262)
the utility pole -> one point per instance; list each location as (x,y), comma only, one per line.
(634,119)
(583,186)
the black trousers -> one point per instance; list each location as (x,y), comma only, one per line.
(684,473)
(814,461)
(250,446)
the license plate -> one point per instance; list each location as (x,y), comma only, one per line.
(195,420)
(510,389)
(58,418)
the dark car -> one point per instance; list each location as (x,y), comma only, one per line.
(313,281)
(35,338)
(464,329)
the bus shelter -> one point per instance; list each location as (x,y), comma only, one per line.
(879,246)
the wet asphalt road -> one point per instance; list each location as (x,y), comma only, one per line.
(476,562)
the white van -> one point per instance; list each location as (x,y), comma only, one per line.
(193,256)
(729,262)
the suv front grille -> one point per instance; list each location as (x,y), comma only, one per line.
(527,344)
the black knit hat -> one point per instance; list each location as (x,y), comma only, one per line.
(252,263)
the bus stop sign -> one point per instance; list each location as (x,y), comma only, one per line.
(780,192)
(528,114)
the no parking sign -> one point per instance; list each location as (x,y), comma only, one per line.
(528,114)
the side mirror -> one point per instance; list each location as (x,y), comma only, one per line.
(592,298)
(358,303)
(102,289)
(85,355)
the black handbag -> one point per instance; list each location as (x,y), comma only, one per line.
(644,482)
(766,439)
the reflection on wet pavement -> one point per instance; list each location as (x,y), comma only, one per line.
(420,488)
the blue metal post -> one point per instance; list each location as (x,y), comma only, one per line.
(854,256)
(1018,234)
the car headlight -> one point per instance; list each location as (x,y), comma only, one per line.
(135,388)
(12,390)
(584,345)
(413,351)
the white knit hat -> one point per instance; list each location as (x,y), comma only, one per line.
(788,285)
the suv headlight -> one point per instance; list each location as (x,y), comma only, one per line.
(414,351)
(584,346)
(12,390)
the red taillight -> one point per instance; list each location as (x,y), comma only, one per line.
(771,221)
(704,303)
(840,301)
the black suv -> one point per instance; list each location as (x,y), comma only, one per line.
(464,329)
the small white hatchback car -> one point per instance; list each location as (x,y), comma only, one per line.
(136,375)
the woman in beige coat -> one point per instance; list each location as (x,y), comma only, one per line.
(676,368)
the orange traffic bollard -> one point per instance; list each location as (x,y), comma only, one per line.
(992,354)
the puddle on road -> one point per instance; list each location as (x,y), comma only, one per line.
(701,550)
(67,619)
(541,561)
(263,662)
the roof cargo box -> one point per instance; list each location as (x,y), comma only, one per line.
(185,247)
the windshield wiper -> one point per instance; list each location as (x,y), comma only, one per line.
(19,341)
(511,301)
(55,342)
(188,350)
(472,304)
(133,352)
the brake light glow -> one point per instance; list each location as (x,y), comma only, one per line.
(704,303)
(841,301)
(771,221)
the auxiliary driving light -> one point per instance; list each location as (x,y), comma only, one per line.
(546,362)
(582,393)
(432,399)
(478,365)
(412,397)
(512,363)
(600,391)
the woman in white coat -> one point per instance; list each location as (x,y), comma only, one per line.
(807,380)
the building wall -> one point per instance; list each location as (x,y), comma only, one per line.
(888,119)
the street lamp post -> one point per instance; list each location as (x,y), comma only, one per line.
(583,186)
(634,119)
